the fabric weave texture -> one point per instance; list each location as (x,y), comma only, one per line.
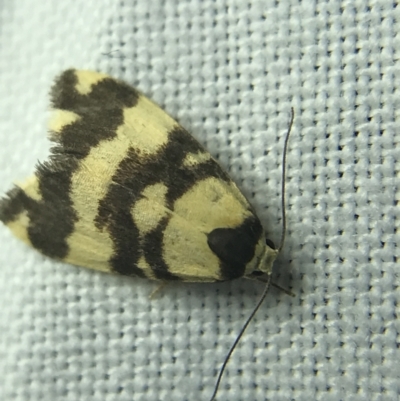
(229,71)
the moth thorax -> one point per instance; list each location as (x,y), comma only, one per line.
(263,260)
(267,259)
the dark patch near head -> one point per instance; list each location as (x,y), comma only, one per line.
(235,247)
(133,175)
(52,219)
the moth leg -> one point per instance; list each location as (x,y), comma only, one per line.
(158,289)
(286,291)
(265,278)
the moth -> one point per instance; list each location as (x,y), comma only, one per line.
(127,190)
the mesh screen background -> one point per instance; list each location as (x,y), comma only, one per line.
(229,71)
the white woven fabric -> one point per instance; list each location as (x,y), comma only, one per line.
(229,70)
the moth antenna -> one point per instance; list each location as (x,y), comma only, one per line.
(283,188)
(268,284)
(221,372)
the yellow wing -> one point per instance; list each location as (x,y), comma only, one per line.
(128,190)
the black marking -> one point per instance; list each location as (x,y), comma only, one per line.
(12,205)
(126,253)
(153,252)
(178,178)
(101,112)
(52,219)
(114,215)
(133,175)
(235,247)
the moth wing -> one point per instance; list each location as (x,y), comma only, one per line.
(23,212)
(128,190)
